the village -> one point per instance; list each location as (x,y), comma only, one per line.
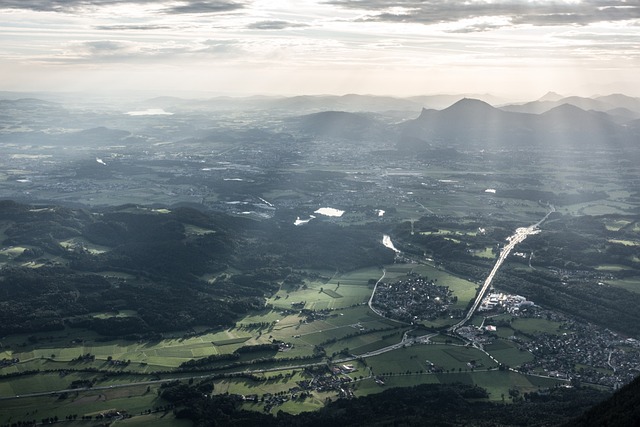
(413,300)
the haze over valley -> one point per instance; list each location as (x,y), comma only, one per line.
(316,212)
(317,248)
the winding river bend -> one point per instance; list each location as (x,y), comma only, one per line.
(520,234)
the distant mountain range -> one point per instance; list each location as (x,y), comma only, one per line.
(471,123)
(444,120)
(616,104)
(315,103)
(474,123)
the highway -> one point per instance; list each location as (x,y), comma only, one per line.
(521,234)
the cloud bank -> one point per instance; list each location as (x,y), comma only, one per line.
(519,12)
(79,6)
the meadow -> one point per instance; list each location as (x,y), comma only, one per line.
(497,383)
(631,284)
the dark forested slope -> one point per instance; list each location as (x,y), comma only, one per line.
(69,263)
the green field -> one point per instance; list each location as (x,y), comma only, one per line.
(497,383)
(616,224)
(613,267)
(631,284)
(332,294)
(625,242)
(365,343)
(273,384)
(535,326)
(486,253)
(420,357)
(134,400)
(121,313)
(340,291)
(507,352)
(160,419)
(144,356)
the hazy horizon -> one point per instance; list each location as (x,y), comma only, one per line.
(512,49)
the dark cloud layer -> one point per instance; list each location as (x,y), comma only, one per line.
(274,25)
(72,6)
(204,7)
(541,13)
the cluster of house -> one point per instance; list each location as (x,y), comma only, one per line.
(584,352)
(9,362)
(504,302)
(334,379)
(412,300)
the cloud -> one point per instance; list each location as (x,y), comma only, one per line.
(74,6)
(537,12)
(476,28)
(104,46)
(226,48)
(274,25)
(69,6)
(141,27)
(215,6)
(130,52)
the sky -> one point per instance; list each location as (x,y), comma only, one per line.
(512,48)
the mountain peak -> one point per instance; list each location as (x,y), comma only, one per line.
(551,96)
(469,105)
(565,108)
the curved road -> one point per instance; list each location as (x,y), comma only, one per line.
(384,272)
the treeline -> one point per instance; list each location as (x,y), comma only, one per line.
(257,348)
(209,360)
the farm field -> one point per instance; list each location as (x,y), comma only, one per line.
(497,383)
(507,353)
(423,357)
(340,291)
(134,400)
(631,284)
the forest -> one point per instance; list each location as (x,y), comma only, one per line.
(154,263)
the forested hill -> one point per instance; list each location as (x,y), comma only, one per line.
(621,410)
(59,264)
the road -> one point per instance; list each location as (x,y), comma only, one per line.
(521,234)
(384,272)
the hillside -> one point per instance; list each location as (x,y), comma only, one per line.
(62,264)
(620,410)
